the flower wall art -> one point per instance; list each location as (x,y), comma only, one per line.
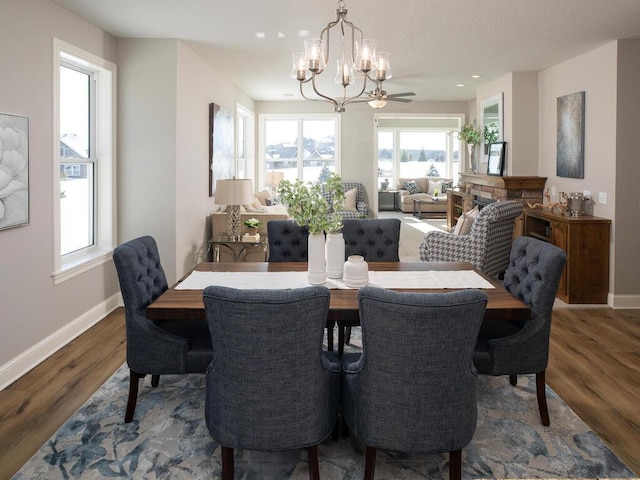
(14,171)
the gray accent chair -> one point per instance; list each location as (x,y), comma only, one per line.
(413,388)
(154,348)
(270,386)
(376,239)
(362,209)
(487,246)
(518,348)
(288,241)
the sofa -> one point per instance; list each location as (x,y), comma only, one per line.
(425,188)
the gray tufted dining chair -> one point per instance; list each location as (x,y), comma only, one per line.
(376,239)
(270,386)
(154,347)
(288,241)
(413,387)
(517,348)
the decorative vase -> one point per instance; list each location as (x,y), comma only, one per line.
(252,230)
(472,151)
(334,249)
(356,272)
(316,264)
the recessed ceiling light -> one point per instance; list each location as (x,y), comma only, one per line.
(281,35)
(460,85)
(475,76)
(303,33)
(260,34)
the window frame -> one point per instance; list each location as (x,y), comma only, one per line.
(102,154)
(300,118)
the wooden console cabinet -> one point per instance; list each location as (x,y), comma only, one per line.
(585,278)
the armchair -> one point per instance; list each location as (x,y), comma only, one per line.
(487,245)
(359,208)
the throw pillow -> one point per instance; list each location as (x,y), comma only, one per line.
(412,187)
(350,199)
(263,196)
(433,186)
(468,219)
(446,186)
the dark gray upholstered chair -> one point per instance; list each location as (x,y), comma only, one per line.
(270,385)
(517,348)
(413,388)
(155,348)
(376,239)
(288,241)
(487,246)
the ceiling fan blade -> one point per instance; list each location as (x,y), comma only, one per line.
(399,99)
(404,94)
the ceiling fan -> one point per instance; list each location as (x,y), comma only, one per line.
(379,97)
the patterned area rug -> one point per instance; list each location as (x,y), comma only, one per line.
(168,439)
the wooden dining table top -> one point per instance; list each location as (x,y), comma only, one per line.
(343,304)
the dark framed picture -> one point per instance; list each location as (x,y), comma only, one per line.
(495,162)
(570,131)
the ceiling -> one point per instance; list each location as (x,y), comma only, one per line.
(434,44)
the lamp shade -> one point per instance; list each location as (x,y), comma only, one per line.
(273,179)
(234,191)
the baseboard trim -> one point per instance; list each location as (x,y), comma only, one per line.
(18,366)
(624,301)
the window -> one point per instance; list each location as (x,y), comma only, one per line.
(418,147)
(298,147)
(84,226)
(245,138)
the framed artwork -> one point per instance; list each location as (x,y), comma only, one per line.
(221,156)
(570,136)
(495,162)
(14,171)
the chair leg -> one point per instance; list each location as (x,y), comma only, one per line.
(513,380)
(314,470)
(347,335)
(455,465)
(369,462)
(155,379)
(134,380)
(330,339)
(542,398)
(227,463)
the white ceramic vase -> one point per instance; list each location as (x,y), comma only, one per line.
(334,249)
(356,272)
(317,267)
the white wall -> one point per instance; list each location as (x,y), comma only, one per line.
(37,317)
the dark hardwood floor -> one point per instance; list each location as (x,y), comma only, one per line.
(594,366)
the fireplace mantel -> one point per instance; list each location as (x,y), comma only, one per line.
(521,188)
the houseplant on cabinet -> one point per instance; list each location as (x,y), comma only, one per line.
(471,136)
(315,205)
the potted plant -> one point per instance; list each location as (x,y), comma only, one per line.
(470,135)
(252,225)
(316,206)
(490,136)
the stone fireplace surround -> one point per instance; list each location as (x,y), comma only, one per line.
(522,188)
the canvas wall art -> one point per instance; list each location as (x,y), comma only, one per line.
(14,171)
(221,156)
(570,127)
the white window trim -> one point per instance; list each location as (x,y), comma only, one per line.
(68,266)
(243,113)
(262,161)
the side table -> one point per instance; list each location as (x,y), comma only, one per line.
(237,246)
(383,200)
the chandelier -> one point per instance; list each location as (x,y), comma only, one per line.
(358,58)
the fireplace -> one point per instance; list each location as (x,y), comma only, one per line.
(489,188)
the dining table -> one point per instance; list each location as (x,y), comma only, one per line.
(178,302)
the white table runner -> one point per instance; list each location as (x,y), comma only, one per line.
(454,279)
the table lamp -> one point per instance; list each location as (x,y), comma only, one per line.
(233,193)
(273,179)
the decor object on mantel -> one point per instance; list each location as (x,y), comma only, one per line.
(357,57)
(233,193)
(560,206)
(308,206)
(471,136)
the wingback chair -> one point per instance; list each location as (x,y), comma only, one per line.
(155,348)
(487,245)
(270,386)
(513,348)
(288,241)
(361,208)
(413,388)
